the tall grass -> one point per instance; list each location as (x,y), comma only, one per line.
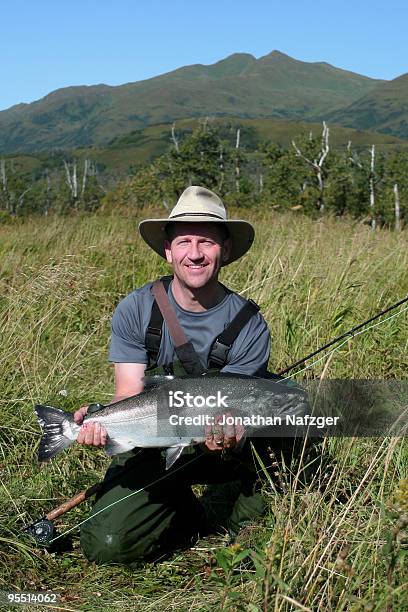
(336,544)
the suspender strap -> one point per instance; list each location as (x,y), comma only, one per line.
(222,344)
(183,347)
(154,329)
(176,332)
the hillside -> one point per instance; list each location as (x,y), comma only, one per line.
(384,109)
(126,153)
(142,146)
(240,85)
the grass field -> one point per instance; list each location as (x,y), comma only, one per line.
(338,544)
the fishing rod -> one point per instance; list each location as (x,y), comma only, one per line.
(350,333)
(43,530)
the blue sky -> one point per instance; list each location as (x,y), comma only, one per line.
(45,45)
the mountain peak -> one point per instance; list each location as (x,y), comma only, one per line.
(238,56)
(232,65)
(277,55)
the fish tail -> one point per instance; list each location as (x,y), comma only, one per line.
(58,428)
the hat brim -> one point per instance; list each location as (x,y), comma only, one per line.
(242,234)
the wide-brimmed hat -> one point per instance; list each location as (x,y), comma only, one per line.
(199,205)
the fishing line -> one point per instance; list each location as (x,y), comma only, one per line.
(123,499)
(351,335)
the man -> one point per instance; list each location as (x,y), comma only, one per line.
(197,240)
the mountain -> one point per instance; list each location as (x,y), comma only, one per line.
(384,109)
(273,86)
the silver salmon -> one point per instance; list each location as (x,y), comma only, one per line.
(171,412)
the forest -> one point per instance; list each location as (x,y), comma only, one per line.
(309,176)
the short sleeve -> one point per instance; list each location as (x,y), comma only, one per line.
(127,343)
(250,352)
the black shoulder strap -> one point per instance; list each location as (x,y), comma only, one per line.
(154,329)
(222,344)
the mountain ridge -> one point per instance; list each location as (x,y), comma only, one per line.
(384,109)
(273,86)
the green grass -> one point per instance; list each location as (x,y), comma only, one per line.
(338,544)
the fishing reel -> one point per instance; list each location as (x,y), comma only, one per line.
(43,532)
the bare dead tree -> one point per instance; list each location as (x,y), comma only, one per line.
(238,138)
(204,124)
(222,169)
(237,161)
(20,201)
(352,157)
(3,174)
(372,187)
(72,181)
(317,164)
(173,137)
(47,200)
(397,208)
(5,198)
(87,169)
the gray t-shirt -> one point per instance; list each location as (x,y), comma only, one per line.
(249,353)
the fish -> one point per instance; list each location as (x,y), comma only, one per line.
(162,415)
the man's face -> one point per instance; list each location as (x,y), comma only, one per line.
(196,252)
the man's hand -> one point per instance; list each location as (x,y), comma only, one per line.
(128,381)
(219,437)
(90,433)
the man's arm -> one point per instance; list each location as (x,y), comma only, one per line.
(128,382)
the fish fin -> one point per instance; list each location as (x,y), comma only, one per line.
(58,428)
(173,453)
(118,445)
(152,382)
(240,445)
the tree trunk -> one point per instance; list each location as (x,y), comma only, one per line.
(237,168)
(3,174)
(397,209)
(174,138)
(372,191)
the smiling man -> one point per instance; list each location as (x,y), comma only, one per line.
(223,331)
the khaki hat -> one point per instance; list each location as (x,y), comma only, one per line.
(199,205)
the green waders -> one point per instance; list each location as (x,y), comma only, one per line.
(163,514)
